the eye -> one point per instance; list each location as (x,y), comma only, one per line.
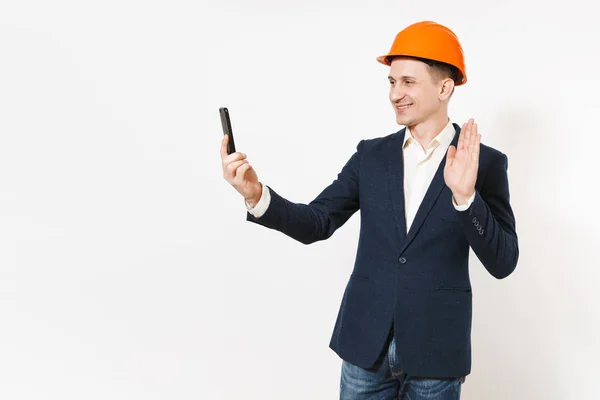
(392,83)
(408,82)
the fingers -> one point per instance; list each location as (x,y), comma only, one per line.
(231,169)
(468,134)
(475,146)
(461,137)
(233,157)
(243,168)
(473,150)
(473,139)
(471,134)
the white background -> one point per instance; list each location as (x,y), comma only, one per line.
(127,270)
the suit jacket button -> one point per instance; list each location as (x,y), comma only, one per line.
(402,260)
(481,232)
(474,220)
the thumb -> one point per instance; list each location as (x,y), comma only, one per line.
(224,143)
(450,156)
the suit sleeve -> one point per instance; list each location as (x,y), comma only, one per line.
(490,224)
(318,220)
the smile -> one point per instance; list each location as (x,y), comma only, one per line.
(403,107)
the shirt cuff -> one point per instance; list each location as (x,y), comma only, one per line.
(261,207)
(463,207)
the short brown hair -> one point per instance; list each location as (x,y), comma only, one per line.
(439,70)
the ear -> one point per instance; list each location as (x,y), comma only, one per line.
(446,89)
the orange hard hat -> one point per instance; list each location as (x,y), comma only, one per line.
(432,41)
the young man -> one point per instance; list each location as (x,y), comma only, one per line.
(426,195)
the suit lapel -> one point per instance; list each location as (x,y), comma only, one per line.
(433,192)
(396,181)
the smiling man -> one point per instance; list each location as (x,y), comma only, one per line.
(427,194)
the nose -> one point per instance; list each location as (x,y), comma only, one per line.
(397,94)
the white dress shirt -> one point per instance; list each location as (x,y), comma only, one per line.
(419,168)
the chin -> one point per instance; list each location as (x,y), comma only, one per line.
(403,120)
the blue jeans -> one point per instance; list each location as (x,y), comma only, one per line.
(387,381)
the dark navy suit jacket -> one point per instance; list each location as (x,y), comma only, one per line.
(416,283)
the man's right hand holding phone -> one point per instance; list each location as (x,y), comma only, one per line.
(240,174)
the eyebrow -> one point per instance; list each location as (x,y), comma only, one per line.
(403,77)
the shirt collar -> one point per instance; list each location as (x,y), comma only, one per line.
(444,138)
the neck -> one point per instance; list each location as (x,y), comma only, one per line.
(425,131)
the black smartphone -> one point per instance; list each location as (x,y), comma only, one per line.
(226,123)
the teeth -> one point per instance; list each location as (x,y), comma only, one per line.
(404,107)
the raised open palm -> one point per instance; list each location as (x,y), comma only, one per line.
(462,163)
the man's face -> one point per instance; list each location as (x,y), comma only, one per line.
(413,93)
